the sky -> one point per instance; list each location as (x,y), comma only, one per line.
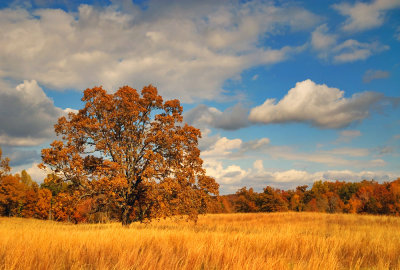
(285,92)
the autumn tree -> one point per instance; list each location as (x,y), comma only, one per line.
(11,190)
(26,179)
(12,195)
(271,200)
(135,149)
(4,165)
(246,200)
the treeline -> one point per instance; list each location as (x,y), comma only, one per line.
(22,197)
(54,199)
(324,196)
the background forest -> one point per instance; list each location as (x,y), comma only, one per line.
(22,197)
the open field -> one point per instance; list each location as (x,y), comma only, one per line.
(223,241)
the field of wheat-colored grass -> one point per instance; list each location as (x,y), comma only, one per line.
(220,241)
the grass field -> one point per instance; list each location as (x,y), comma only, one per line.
(222,241)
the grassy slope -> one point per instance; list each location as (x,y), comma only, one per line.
(223,241)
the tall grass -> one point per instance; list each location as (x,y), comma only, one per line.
(222,241)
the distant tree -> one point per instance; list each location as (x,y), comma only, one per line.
(135,149)
(335,204)
(271,200)
(26,178)
(30,199)
(297,199)
(246,200)
(4,165)
(12,195)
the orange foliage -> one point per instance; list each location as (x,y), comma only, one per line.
(134,149)
(12,193)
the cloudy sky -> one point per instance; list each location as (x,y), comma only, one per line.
(285,92)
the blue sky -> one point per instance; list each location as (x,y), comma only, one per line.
(284,92)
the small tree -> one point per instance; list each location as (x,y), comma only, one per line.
(4,165)
(135,149)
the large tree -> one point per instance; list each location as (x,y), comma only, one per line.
(132,150)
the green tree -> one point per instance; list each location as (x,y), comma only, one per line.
(26,178)
(4,165)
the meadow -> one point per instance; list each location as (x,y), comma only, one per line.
(218,241)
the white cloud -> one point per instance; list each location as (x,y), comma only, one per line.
(348,151)
(228,175)
(233,177)
(371,75)
(222,148)
(70,110)
(342,157)
(353,50)
(37,174)
(223,161)
(233,148)
(186,50)
(347,175)
(258,165)
(203,116)
(347,135)
(317,104)
(27,115)
(363,16)
(321,39)
(328,47)
(259,174)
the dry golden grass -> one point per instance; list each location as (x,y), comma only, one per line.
(223,241)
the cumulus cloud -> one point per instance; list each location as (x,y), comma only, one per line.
(371,75)
(37,174)
(224,175)
(363,16)
(233,177)
(224,149)
(27,115)
(316,104)
(187,49)
(259,174)
(233,148)
(232,118)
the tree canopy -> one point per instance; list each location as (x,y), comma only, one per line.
(131,150)
(4,164)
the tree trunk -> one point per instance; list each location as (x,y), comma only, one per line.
(126,215)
